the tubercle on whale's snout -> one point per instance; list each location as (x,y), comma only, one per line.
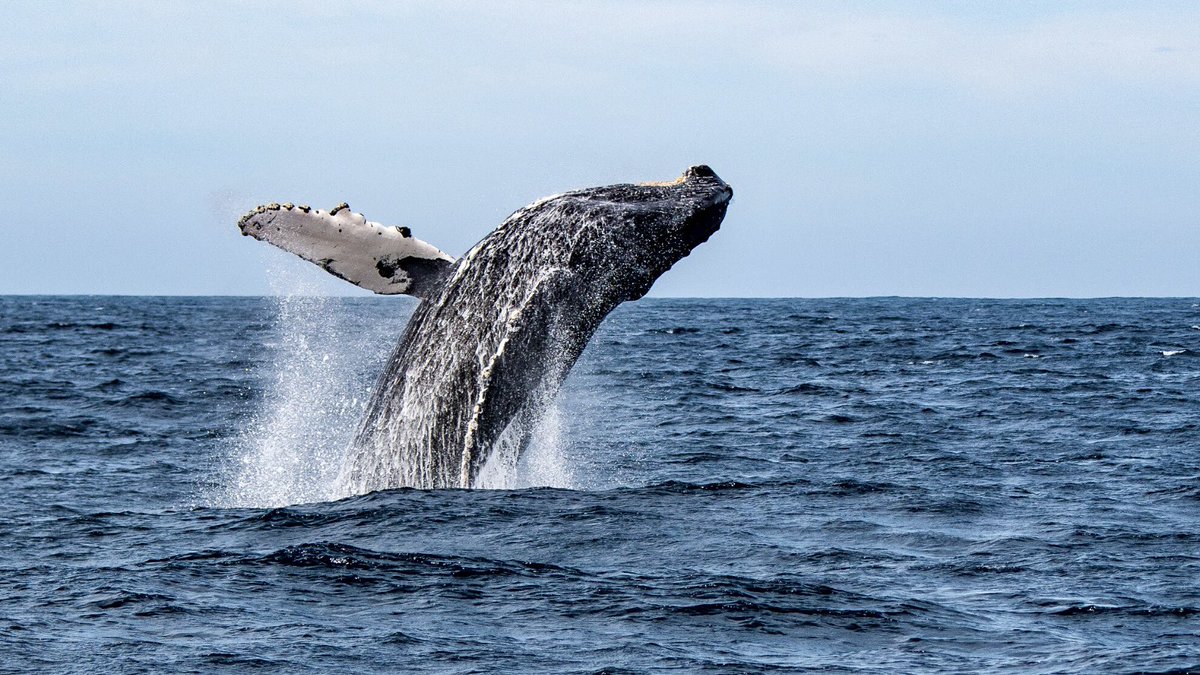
(722,192)
(699,172)
(700,187)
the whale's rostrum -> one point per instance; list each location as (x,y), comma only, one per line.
(497,330)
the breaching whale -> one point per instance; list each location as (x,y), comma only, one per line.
(497,330)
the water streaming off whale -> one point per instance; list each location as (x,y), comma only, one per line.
(323,355)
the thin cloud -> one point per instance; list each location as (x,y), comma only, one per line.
(1036,57)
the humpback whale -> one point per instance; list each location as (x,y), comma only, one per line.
(497,330)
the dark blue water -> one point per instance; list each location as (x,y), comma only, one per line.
(881,485)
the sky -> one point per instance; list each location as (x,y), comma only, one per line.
(1003,149)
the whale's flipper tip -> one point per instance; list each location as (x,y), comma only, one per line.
(382,259)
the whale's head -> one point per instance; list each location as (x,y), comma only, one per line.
(636,232)
(697,200)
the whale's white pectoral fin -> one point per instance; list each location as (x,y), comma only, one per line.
(386,260)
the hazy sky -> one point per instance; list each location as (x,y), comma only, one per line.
(875,148)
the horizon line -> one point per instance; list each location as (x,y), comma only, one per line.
(651,297)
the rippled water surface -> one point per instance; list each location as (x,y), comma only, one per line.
(878,485)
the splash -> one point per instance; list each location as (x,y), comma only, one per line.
(325,359)
(317,387)
(543,463)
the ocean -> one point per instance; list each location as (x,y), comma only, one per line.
(729,486)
